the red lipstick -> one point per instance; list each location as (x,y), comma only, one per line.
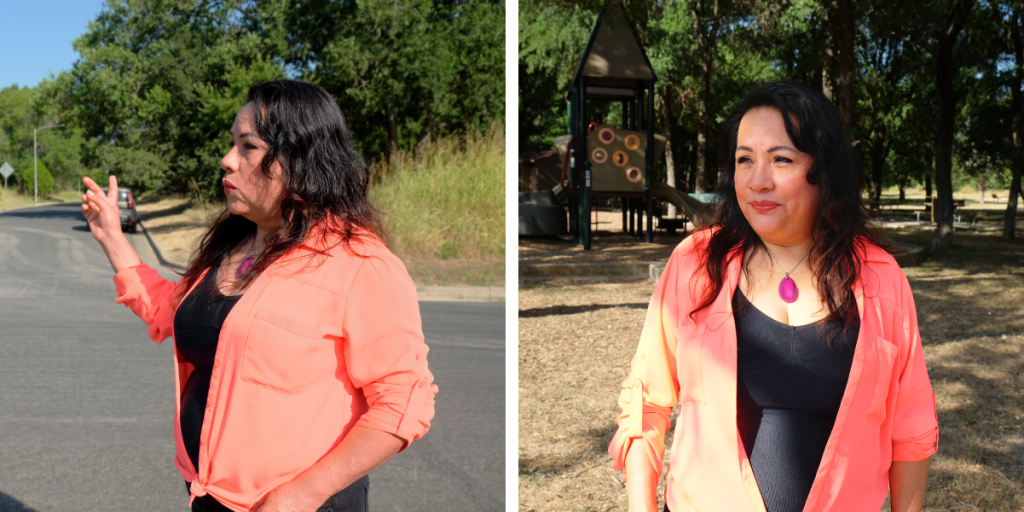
(763,206)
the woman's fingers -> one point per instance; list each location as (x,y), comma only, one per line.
(92,186)
(113,187)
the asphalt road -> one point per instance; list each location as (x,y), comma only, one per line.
(87,400)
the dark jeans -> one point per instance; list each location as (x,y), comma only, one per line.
(350,499)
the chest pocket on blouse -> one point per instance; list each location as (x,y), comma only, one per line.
(279,351)
(689,343)
(886,353)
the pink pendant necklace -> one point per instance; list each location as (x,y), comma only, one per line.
(787,287)
(247,262)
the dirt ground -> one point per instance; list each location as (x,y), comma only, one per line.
(576,341)
(176,227)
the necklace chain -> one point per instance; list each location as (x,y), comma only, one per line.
(780,266)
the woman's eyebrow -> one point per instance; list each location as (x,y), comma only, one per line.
(770,150)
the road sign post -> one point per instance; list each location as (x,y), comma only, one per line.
(6,170)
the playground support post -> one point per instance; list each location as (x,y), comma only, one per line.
(624,228)
(572,166)
(649,154)
(586,205)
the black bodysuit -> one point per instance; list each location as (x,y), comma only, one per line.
(197,325)
(790,382)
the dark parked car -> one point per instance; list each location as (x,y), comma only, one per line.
(126,203)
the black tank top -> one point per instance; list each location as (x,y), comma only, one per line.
(197,325)
(789,384)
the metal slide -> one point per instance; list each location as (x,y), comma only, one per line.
(690,206)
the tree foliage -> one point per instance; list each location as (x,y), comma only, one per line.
(708,54)
(158,82)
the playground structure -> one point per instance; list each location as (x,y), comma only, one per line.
(600,161)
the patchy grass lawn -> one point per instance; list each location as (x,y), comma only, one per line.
(576,341)
(16,200)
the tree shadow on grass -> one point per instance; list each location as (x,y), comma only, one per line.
(9,504)
(167,228)
(981,439)
(596,451)
(572,310)
(156,214)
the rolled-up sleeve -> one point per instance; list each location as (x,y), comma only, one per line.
(651,390)
(915,427)
(385,352)
(150,296)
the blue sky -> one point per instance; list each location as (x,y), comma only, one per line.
(36,36)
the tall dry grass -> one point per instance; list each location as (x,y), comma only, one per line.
(447,201)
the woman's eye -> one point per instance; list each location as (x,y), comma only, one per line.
(744,160)
(782,160)
(249,146)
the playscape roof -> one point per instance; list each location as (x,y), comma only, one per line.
(614,62)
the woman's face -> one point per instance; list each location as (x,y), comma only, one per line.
(250,193)
(771,180)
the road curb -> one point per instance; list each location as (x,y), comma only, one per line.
(460,293)
(160,255)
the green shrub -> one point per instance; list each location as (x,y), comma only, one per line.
(28,180)
(448,203)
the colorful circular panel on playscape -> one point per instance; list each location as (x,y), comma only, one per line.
(606,135)
(634,175)
(598,156)
(632,142)
(620,158)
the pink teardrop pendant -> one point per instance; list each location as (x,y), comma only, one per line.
(788,290)
(246,263)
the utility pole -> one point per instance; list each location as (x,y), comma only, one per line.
(35,161)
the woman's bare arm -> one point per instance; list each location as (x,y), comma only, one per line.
(641,480)
(104,218)
(907,482)
(360,452)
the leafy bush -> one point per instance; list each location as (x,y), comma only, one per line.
(28,179)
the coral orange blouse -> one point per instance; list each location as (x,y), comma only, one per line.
(316,345)
(887,412)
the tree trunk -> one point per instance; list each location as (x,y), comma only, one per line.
(903,189)
(877,163)
(422,150)
(929,165)
(844,82)
(392,136)
(667,129)
(981,187)
(826,54)
(706,37)
(691,164)
(1010,217)
(947,115)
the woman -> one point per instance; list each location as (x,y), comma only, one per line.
(786,334)
(300,359)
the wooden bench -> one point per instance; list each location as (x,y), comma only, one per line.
(957,204)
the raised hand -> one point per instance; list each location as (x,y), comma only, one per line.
(104,218)
(101,210)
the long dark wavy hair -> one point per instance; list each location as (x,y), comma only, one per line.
(814,126)
(325,180)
